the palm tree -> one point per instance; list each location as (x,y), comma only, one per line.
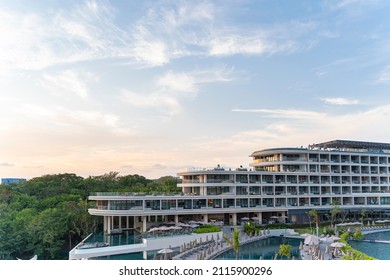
(334,211)
(234,241)
(316,219)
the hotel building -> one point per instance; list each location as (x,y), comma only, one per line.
(281,185)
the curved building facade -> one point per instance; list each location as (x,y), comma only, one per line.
(281,185)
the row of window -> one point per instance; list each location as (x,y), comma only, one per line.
(240,203)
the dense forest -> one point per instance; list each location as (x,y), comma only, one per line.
(48,215)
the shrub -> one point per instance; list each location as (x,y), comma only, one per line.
(207,229)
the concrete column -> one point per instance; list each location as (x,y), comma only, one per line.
(144,218)
(105,224)
(127,222)
(205,218)
(234,219)
(145,255)
(176,219)
(112,222)
(260,217)
(109,224)
(120,222)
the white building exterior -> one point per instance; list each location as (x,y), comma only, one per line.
(282,185)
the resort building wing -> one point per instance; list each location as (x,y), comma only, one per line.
(281,185)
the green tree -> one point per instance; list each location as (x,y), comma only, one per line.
(363,214)
(358,234)
(249,228)
(334,211)
(313,213)
(234,241)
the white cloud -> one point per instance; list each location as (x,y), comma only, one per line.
(182,82)
(68,120)
(340,101)
(171,89)
(35,41)
(236,44)
(70,80)
(285,113)
(384,76)
(156,100)
(325,126)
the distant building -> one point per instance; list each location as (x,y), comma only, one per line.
(7,181)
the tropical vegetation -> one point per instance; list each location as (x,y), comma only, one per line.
(48,215)
(206,229)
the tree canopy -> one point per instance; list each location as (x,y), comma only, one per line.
(48,215)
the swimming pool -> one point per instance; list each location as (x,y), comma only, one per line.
(379,251)
(263,249)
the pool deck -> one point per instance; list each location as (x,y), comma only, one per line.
(211,250)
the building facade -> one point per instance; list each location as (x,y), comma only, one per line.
(7,181)
(281,185)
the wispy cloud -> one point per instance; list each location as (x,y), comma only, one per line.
(340,101)
(156,100)
(65,119)
(295,129)
(384,76)
(69,81)
(182,82)
(285,113)
(172,88)
(6,164)
(90,31)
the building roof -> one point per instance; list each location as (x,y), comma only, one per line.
(345,144)
(336,144)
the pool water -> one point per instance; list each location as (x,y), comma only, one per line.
(126,237)
(265,249)
(379,251)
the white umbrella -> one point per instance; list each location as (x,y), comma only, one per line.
(165,251)
(153,230)
(312,240)
(334,238)
(326,239)
(163,228)
(337,244)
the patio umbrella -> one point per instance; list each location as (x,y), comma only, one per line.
(152,230)
(334,238)
(312,240)
(163,228)
(337,244)
(165,251)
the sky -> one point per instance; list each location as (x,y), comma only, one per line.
(152,87)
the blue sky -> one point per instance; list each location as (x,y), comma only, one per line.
(151,87)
